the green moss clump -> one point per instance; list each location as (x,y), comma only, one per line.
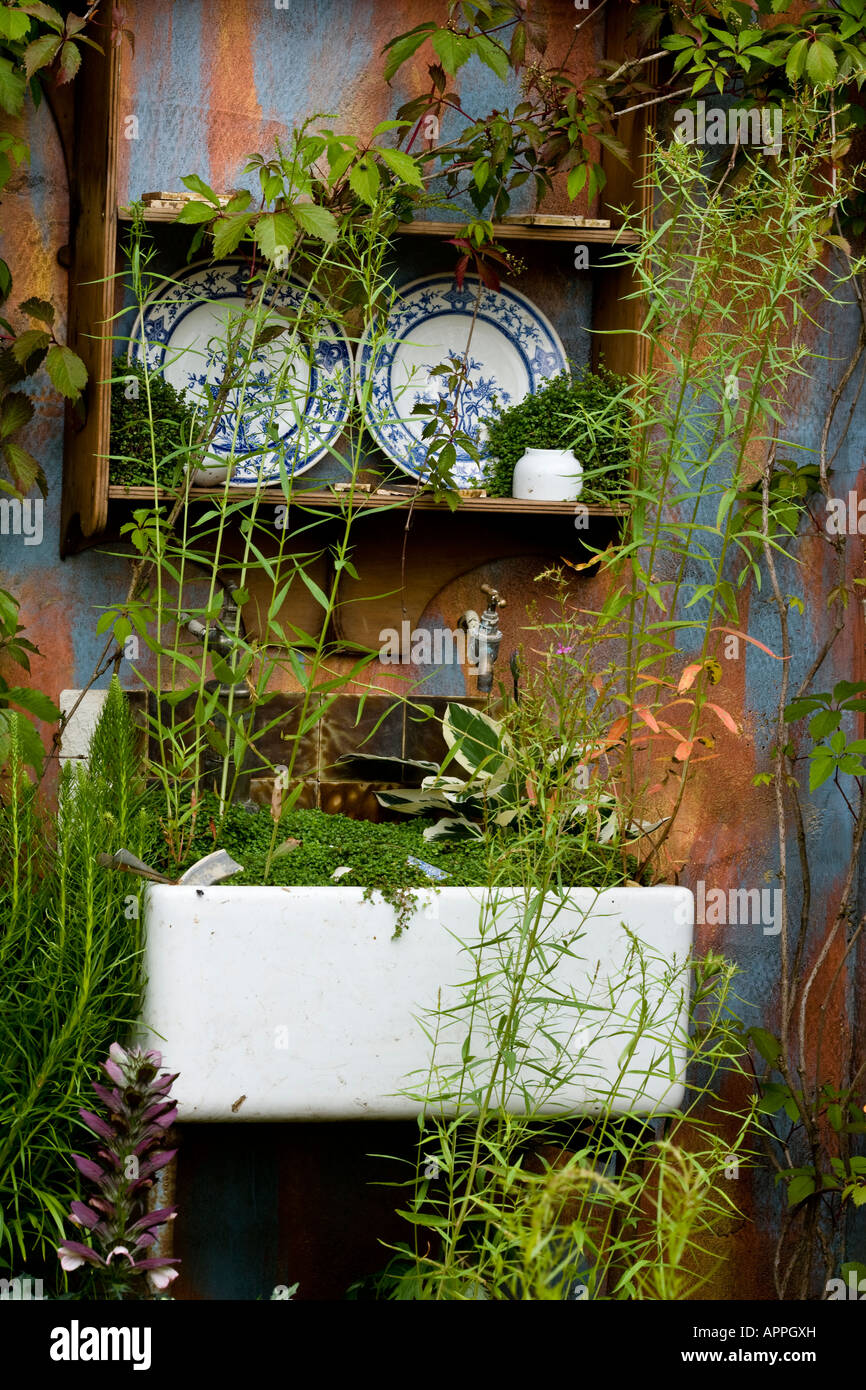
(578,411)
(377,855)
(173,428)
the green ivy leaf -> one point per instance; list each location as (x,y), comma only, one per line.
(364,180)
(12,88)
(769,1047)
(821,769)
(316,221)
(31,341)
(197,185)
(33,701)
(795,65)
(452,49)
(492,56)
(17,412)
(824,722)
(13,725)
(66,370)
(773,1098)
(23,468)
(403,165)
(38,309)
(195,212)
(274,234)
(402,48)
(800,1187)
(40,53)
(228,233)
(14,24)
(821,63)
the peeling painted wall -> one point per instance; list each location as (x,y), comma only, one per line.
(208,84)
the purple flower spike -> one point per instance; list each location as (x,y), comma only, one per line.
(115,1215)
(87,1168)
(113,1070)
(105,1131)
(82,1215)
(73,1254)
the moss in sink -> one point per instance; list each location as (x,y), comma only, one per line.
(312,845)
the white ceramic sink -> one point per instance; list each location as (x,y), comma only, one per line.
(297,1004)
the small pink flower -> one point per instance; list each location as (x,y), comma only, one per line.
(118,1250)
(161,1278)
(73,1254)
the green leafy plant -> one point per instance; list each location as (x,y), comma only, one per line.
(13,724)
(70,948)
(494,798)
(148,416)
(581,410)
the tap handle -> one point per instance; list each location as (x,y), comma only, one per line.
(494,602)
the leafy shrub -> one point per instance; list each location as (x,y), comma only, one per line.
(133,444)
(584,411)
(70,942)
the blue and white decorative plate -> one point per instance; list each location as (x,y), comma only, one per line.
(512,350)
(300,390)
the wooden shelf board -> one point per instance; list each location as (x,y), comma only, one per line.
(504,231)
(325,499)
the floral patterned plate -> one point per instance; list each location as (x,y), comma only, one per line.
(302,391)
(512,350)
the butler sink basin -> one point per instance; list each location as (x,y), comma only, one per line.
(299,1003)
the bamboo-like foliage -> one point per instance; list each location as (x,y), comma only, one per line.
(734,277)
(70,969)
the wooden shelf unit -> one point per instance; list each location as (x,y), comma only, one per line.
(326,499)
(91,131)
(503,231)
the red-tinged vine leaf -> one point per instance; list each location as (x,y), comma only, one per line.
(46,13)
(648,718)
(689,676)
(726,718)
(617,728)
(487,275)
(460,271)
(536,33)
(683,750)
(119,31)
(70,62)
(40,53)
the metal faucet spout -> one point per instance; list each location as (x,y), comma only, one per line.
(483,637)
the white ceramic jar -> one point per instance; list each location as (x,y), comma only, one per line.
(547,475)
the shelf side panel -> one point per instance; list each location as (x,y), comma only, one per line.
(93,197)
